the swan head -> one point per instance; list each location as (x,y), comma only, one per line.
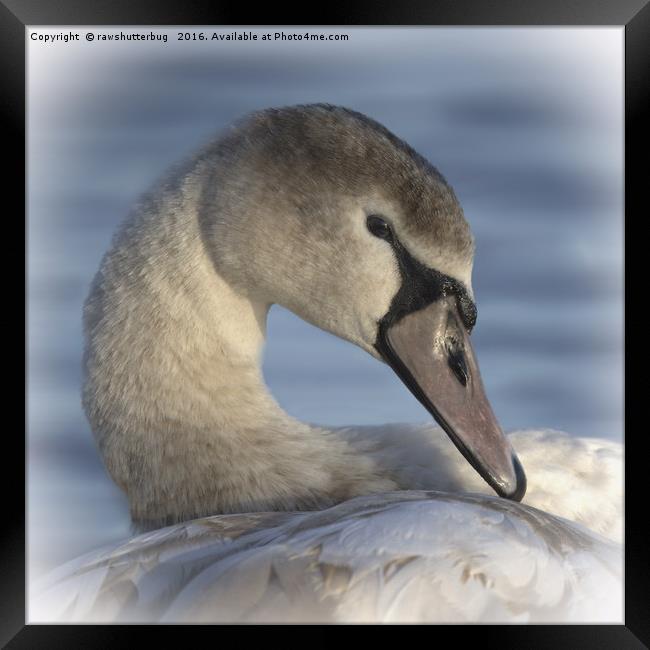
(325,212)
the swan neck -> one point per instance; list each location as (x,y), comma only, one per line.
(196,365)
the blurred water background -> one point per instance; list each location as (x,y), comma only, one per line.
(526,125)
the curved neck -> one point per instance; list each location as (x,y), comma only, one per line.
(174,391)
(173,386)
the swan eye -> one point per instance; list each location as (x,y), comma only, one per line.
(379,228)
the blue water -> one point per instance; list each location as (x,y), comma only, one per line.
(526,124)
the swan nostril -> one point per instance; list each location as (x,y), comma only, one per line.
(457,361)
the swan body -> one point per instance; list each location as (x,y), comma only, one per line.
(408,556)
(325,212)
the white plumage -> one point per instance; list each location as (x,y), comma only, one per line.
(409,556)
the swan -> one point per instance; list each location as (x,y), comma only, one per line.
(244,513)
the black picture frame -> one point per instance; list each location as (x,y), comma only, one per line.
(633,15)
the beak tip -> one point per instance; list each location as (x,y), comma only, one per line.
(519,489)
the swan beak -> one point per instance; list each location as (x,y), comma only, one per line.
(431,352)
